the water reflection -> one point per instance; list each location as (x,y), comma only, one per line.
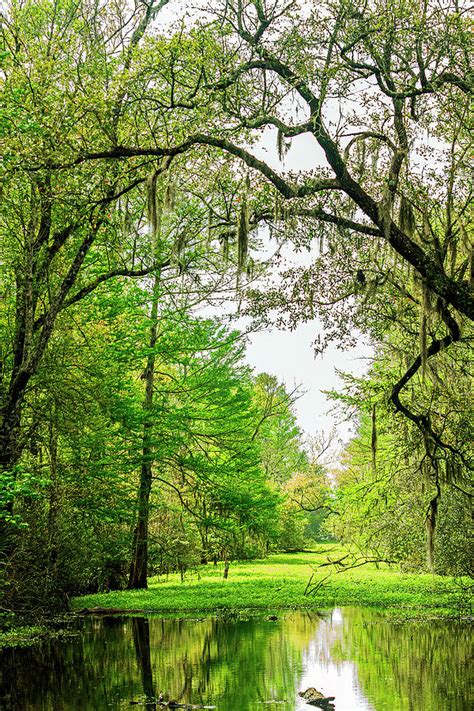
(367,663)
(141,640)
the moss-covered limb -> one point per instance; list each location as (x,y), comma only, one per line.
(279,582)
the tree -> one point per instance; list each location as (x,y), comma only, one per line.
(61,231)
(277,433)
(396,490)
(385,189)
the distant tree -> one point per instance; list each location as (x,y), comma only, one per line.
(277,432)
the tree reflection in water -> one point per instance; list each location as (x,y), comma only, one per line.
(355,655)
(141,640)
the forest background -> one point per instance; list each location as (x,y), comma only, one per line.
(134,439)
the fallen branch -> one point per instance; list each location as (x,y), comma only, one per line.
(341,567)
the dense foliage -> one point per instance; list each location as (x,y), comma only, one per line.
(133,437)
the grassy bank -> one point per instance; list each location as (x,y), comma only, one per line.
(279,582)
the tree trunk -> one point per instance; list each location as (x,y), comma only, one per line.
(141,640)
(139,562)
(431,520)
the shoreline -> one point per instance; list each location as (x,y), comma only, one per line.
(263,587)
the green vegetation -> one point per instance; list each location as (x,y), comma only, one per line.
(23,636)
(201,662)
(19,635)
(279,582)
(136,207)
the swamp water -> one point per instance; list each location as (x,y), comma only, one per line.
(354,654)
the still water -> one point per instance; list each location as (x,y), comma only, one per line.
(354,654)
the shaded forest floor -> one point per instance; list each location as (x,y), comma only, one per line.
(280,581)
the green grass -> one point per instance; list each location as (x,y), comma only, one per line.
(279,582)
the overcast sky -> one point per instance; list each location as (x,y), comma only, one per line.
(289,355)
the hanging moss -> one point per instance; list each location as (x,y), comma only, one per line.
(375,158)
(224,240)
(169,201)
(153,204)
(209,228)
(427,299)
(291,222)
(250,268)
(386,208)
(280,144)
(243,225)
(426,308)
(180,244)
(283,145)
(361,155)
(426,229)
(406,217)
(154,212)
(384,255)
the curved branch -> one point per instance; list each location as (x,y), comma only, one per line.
(92,286)
(287,131)
(286,189)
(367,134)
(422,421)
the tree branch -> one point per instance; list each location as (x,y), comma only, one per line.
(89,288)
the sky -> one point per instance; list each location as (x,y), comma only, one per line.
(289,355)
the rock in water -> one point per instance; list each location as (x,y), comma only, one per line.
(311,694)
(316,698)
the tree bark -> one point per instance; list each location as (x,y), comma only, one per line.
(431,521)
(139,561)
